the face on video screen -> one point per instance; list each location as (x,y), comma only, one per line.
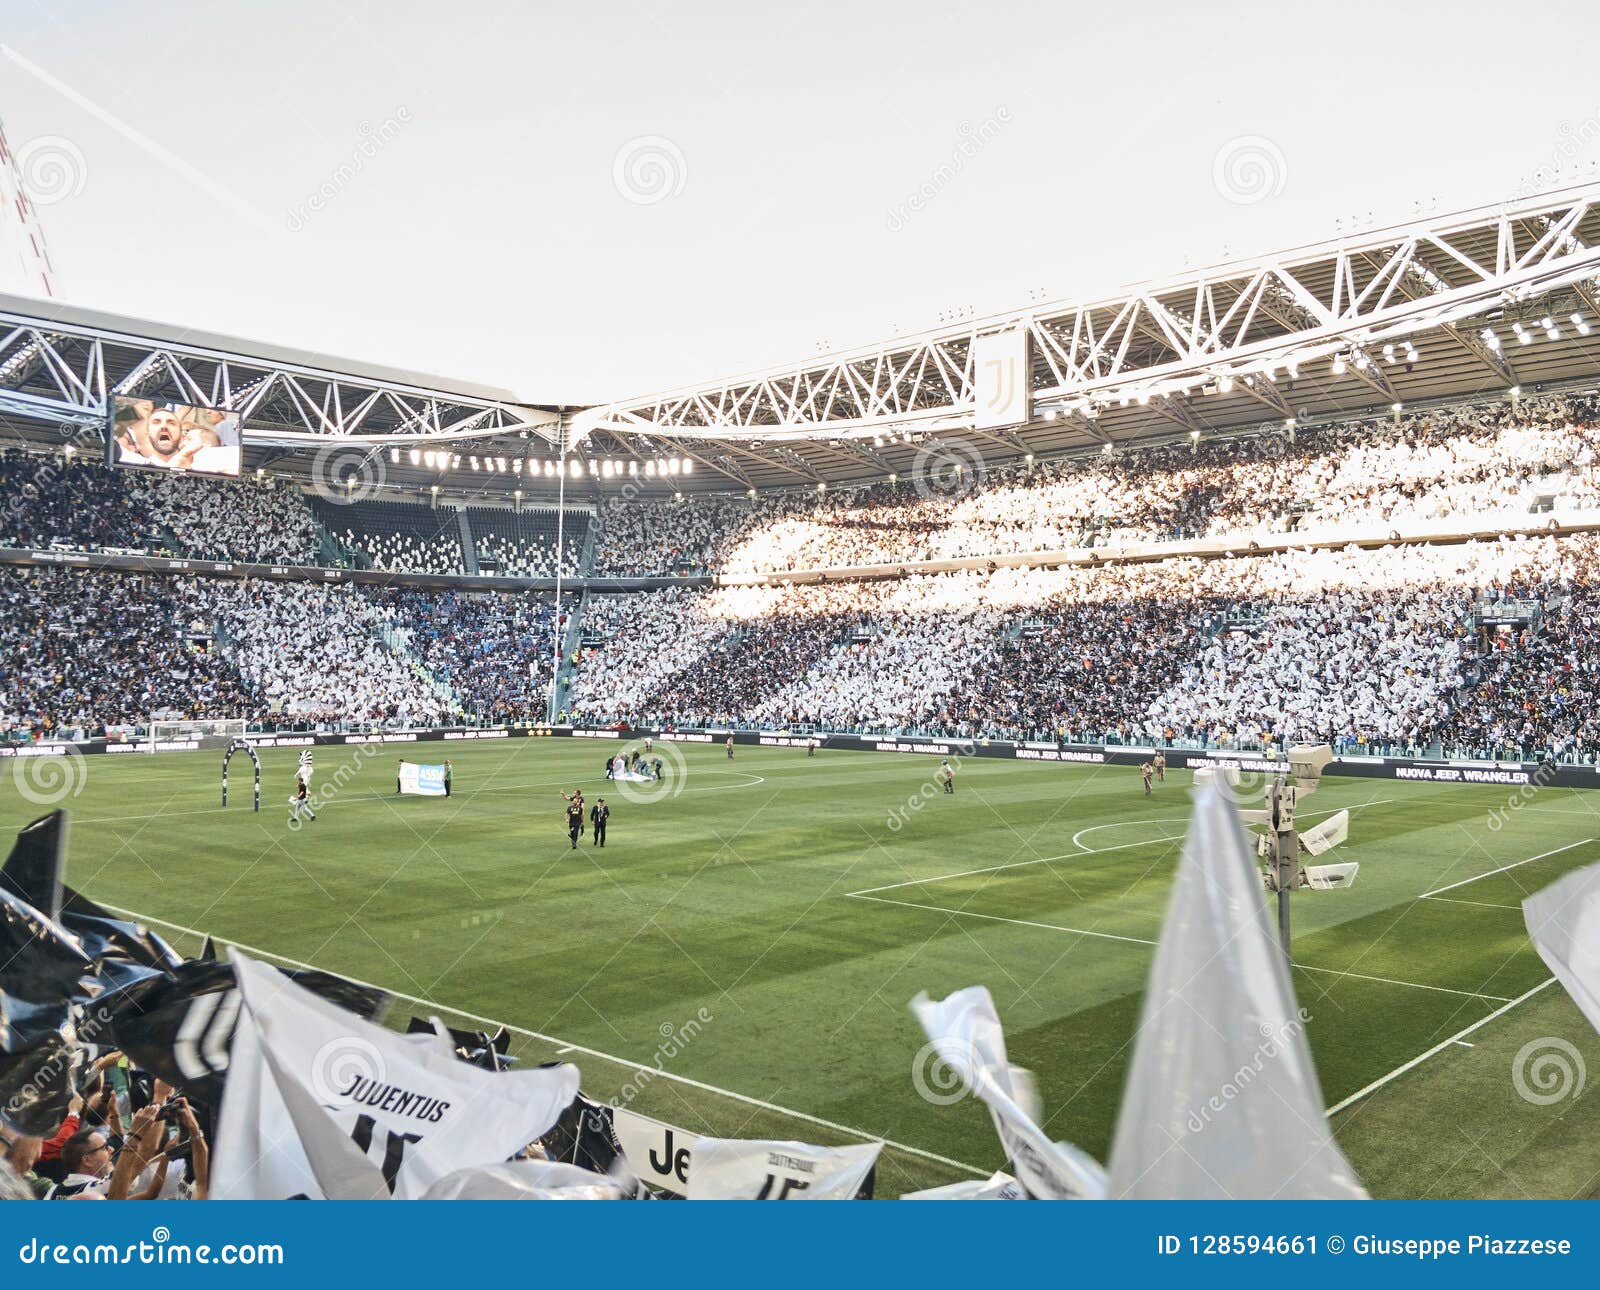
(174,436)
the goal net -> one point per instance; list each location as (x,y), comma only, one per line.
(166,736)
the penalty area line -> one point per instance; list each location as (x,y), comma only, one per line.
(1543,855)
(566,1047)
(1438,1048)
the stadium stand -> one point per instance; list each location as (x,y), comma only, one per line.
(397,535)
(522,544)
(494,651)
(1539,455)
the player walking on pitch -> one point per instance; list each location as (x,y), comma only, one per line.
(730,747)
(947,775)
(300,803)
(1160,763)
(1147,770)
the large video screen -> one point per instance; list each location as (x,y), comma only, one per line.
(191,440)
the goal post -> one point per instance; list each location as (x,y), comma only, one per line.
(172,735)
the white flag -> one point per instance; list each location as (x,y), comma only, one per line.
(1564,921)
(320,1103)
(1222,1100)
(739,1169)
(527,1180)
(966,1034)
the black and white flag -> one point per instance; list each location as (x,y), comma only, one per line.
(741,1169)
(320,1103)
(180,1027)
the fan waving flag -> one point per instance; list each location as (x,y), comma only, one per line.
(1222,1100)
(319,1103)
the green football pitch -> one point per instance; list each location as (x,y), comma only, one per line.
(757,932)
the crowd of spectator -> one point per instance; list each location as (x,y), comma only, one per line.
(496,653)
(1422,466)
(83,651)
(105,1149)
(1365,648)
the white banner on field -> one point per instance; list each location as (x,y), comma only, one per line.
(321,1104)
(417,778)
(753,1169)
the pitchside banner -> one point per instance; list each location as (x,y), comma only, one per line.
(428,781)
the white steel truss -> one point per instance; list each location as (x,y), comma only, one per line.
(66,373)
(1249,325)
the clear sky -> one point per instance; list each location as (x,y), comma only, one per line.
(587,201)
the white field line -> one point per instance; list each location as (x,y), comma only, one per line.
(654,1071)
(1436,1049)
(996,918)
(1068,855)
(1077,838)
(1543,855)
(1139,940)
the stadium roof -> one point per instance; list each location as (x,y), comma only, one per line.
(1447,308)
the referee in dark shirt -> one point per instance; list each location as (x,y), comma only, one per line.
(599,813)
